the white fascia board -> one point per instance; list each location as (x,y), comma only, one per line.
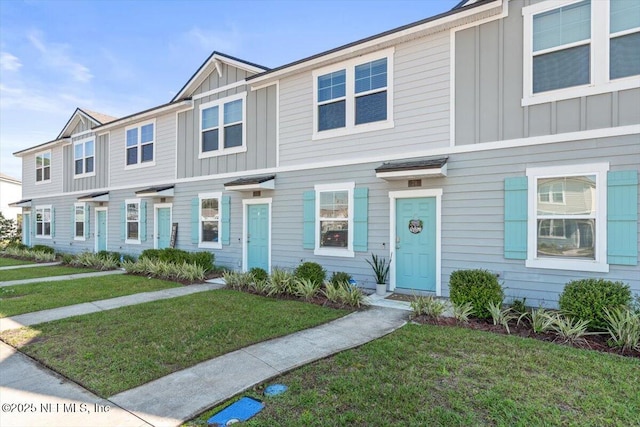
(187,104)
(43,147)
(163,193)
(413,174)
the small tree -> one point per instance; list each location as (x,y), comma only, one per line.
(8,230)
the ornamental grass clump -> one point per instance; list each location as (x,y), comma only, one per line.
(282,282)
(427,305)
(570,329)
(94,261)
(623,326)
(166,270)
(541,320)
(344,293)
(306,288)
(30,254)
(238,280)
(501,316)
(587,299)
(462,312)
(478,287)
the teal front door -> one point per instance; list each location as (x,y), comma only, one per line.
(416,244)
(164,228)
(101,230)
(258,236)
(26,229)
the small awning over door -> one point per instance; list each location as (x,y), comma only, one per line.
(413,169)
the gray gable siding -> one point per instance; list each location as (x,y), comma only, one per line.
(100,162)
(230,75)
(82,126)
(488,90)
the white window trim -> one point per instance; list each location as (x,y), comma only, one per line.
(51,219)
(35,171)
(600,82)
(84,210)
(221,151)
(599,264)
(350,126)
(210,245)
(84,174)
(348,252)
(157,206)
(126,222)
(139,126)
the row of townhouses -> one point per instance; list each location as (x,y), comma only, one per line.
(502,135)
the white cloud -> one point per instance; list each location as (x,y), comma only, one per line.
(228,41)
(56,55)
(9,62)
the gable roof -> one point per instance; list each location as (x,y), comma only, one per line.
(213,62)
(97,119)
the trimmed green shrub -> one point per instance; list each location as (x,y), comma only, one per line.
(586,300)
(479,287)
(311,271)
(16,245)
(178,256)
(43,248)
(259,274)
(340,277)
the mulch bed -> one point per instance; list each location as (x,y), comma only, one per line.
(590,342)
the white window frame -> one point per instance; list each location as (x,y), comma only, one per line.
(83,206)
(140,163)
(126,221)
(350,96)
(347,252)
(84,158)
(42,181)
(599,264)
(51,219)
(221,151)
(599,55)
(210,245)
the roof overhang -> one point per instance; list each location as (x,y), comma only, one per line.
(162,109)
(102,196)
(41,147)
(263,182)
(158,191)
(414,169)
(25,203)
(77,117)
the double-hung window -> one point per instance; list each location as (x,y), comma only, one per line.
(79,212)
(355,96)
(43,167)
(222,126)
(83,157)
(43,221)
(334,219)
(576,48)
(210,217)
(132,212)
(140,143)
(567,217)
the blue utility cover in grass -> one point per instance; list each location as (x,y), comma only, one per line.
(241,410)
(275,389)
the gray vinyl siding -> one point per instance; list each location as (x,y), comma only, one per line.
(82,126)
(230,74)
(165,151)
(32,189)
(100,163)
(260,122)
(489,85)
(421,109)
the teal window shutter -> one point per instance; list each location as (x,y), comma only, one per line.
(123,221)
(622,217)
(226,220)
(53,222)
(360,219)
(73,222)
(309,219)
(195,221)
(515,218)
(143,221)
(34,217)
(87,220)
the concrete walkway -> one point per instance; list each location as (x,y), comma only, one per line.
(58,278)
(102,305)
(40,264)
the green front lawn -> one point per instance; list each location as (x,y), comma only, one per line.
(9,262)
(115,350)
(20,299)
(424,375)
(36,272)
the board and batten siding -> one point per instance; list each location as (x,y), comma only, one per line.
(164,157)
(260,122)
(29,187)
(100,165)
(421,95)
(230,75)
(488,90)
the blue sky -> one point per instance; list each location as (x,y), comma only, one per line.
(119,57)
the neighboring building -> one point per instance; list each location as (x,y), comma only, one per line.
(10,191)
(502,135)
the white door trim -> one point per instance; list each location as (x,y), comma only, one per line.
(406,194)
(106,228)
(245,219)
(157,206)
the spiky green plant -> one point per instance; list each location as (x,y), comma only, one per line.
(623,326)
(570,329)
(427,305)
(501,316)
(281,282)
(541,320)
(463,311)
(306,288)
(380,268)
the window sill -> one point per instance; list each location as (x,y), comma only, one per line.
(212,245)
(140,165)
(48,181)
(566,264)
(367,127)
(43,237)
(84,175)
(223,152)
(79,239)
(579,91)
(132,242)
(342,253)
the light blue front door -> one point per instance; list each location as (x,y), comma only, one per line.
(258,236)
(416,243)
(164,227)
(26,229)
(101,231)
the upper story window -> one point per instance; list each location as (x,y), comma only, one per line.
(210,215)
(222,126)
(578,48)
(83,157)
(44,220)
(43,167)
(355,96)
(140,144)
(334,219)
